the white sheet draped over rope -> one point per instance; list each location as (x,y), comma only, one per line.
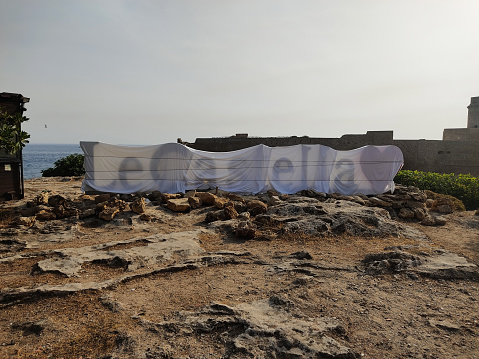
(173,168)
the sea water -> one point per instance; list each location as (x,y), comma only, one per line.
(38,157)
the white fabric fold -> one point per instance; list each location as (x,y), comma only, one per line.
(173,168)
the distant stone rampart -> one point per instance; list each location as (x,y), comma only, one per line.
(457,152)
(443,156)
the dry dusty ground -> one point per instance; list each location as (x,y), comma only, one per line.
(151,314)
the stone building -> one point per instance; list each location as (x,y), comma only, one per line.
(473,113)
(457,152)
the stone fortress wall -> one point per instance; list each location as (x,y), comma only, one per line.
(457,152)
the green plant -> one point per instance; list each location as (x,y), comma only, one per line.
(12,138)
(463,187)
(71,165)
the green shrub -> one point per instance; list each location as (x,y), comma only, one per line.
(12,138)
(71,165)
(463,187)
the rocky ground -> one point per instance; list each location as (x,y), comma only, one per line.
(221,276)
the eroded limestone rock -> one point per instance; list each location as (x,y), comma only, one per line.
(160,248)
(245,230)
(235,197)
(165,197)
(439,264)
(256,207)
(138,205)
(220,202)
(265,328)
(230,212)
(207,198)
(179,205)
(45,215)
(102,198)
(195,202)
(26,221)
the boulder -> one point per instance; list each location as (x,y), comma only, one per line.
(230,212)
(220,202)
(101,206)
(165,197)
(145,217)
(415,204)
(399,196)
(63,212)
(45,215)
(272,192)
(245,230)
(26,221)
(379,202)
(190,194)
(428,221)
(256,207)
(406,213)
(29,211)
(240,207)
(443,205)
(112,202)
(343,217)
(178,204)
(297,209)
(207,198)
(155,196)
(275,201)
(215,216)
(87,213)
(440,220)
(345,198)
(85,197)
(128,197)
(235,197)
(358,199)
(138,205)
(419,213)
(43,208)
(244,215)
(56,200)
(42,198)
(195,202)
(312,193)
(227,213)
(102,197)
(398,204)
(444,208)
(108,213)
(418,196)
(109,209)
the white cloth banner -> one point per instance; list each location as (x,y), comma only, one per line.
(173,168)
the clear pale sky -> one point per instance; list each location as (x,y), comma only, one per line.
(147,72)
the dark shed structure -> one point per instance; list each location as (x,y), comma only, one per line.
(11,166)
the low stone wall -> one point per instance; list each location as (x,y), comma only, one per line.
(442,156)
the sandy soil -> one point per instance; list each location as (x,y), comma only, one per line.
(395,315)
